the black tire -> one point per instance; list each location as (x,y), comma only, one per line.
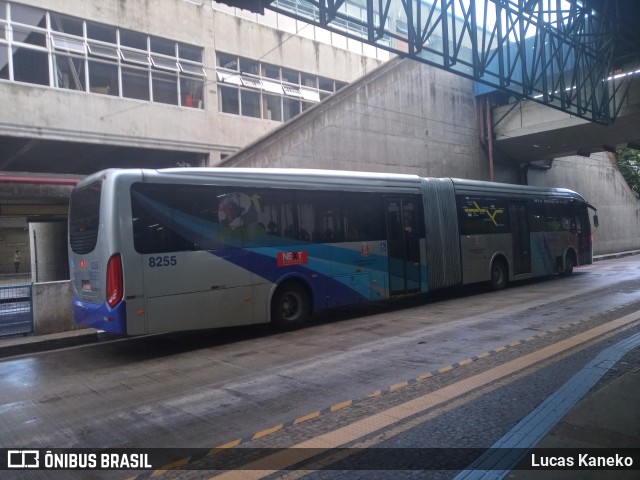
(568,266)
(290,307)
(499,275)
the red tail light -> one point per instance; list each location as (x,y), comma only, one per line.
(115,289)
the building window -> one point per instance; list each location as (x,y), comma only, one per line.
(290,76)
(272,107)
(271,71)
(103,78)
(61,51)
(229,100)
(267,91)
(102,33)
(28,15)
(30,66)
(66,24)
(189,52)
(69,72)
(135,83)
(191,90)
(165,88)
(290,108)
(250,103)
(4,62)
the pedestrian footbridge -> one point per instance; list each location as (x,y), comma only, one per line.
(527,131)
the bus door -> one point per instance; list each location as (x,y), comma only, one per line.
(582,229)
(403,245)
(521,241)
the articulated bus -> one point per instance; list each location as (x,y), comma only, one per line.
(180,249)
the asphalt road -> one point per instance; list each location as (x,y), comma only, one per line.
(205,389)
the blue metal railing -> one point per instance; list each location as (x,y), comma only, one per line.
(16,316)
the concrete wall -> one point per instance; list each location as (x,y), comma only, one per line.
(52,307)
(599,180)
(58,114)
(49,257)
(404,117)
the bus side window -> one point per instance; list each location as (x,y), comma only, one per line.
(274,212)
(319,213)
(362,217)
(162,215)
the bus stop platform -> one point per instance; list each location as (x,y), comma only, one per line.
(22,345)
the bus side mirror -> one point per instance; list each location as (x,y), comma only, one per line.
(595,221)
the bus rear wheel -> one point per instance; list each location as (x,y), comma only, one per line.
(499,275)
(290,306)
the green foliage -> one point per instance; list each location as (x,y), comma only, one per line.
(629,165)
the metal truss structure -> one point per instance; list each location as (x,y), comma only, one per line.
(555,52)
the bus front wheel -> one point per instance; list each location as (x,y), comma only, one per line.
(499,275)
(290,306)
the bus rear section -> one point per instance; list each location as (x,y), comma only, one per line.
(97,282)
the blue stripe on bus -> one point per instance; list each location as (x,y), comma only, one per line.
(332,282)
(101,316)
(330,270)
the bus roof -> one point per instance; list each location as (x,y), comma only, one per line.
(316,179)
(476,187)
(271,177)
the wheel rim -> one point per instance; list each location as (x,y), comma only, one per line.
(291,306)
(497,277)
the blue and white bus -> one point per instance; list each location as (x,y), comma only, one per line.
(182,249)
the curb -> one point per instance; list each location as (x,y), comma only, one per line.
(610,256)
(39,343)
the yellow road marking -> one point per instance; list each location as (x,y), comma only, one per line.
(309,416)
(235,443)
(366,426)
(340,406)
(398,386)
(267,431)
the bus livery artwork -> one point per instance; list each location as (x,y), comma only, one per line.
(182,249)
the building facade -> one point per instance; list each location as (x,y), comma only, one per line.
(93,84)
(187,78)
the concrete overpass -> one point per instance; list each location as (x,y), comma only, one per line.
(527,131)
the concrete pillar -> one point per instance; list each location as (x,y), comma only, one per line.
(49,257)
